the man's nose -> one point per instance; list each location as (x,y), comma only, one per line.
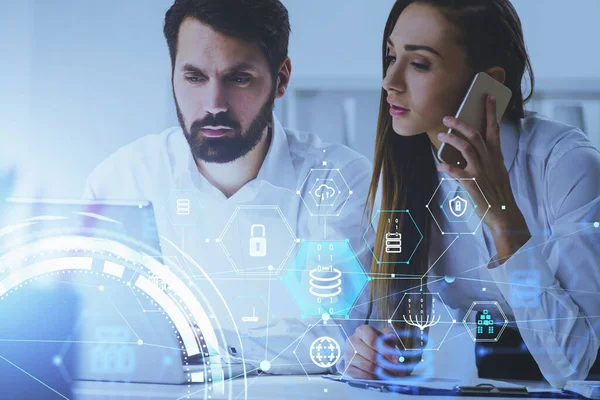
(215,99)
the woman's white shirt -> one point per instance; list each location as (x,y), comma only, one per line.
(550,287)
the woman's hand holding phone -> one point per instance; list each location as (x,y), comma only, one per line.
(373,354)
(485,163)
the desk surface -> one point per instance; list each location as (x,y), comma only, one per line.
(259,387)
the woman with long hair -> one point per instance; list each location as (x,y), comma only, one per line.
(533,185)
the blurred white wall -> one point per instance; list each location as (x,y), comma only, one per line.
(562,37)
(79,79)
(89,77)
(332,36)
(16,39)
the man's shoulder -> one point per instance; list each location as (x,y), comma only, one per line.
(309,149)
(142,151)
(133,164)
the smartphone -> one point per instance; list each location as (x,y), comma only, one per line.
(472,112)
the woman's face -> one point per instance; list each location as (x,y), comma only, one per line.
(428,72)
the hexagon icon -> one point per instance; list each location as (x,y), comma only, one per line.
(183,207)
(423,311)
(324,192)
(401,240)
(322,346)
(325,277)
(487,324)
(454,212)
(452,206)
(257,240)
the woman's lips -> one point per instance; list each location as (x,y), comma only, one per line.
(396,111)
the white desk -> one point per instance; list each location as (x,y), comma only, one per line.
(263,387)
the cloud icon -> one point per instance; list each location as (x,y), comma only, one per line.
(325,192)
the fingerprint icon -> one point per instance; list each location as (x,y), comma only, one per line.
(325,281)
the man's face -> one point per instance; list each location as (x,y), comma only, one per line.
(224,92)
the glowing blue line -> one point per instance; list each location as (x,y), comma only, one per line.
(33,377)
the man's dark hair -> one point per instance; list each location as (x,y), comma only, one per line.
(265,22)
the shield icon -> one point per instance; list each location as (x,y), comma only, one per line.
(458,206)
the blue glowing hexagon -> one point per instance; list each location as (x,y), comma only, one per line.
(393,230)
(325,278)
(183,207)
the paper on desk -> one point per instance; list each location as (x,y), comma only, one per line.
(440,383)
(433,383)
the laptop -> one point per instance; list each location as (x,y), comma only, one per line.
(120,333)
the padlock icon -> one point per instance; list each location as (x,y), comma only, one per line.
(258,244)
(457,206)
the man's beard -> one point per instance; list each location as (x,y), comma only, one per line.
(223,150)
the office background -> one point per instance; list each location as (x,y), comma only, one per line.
(79,79)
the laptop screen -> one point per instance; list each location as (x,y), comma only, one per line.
(130,223)
(83,322)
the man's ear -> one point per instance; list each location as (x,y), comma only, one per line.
(283,77)
(497,73)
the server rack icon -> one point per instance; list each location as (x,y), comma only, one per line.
(393,242)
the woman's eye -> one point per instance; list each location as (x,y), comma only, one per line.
(390,59)
(420,67)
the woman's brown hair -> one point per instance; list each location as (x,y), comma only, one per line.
(490,33)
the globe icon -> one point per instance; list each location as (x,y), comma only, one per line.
(325,352)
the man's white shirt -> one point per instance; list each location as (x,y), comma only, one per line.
(161,169)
